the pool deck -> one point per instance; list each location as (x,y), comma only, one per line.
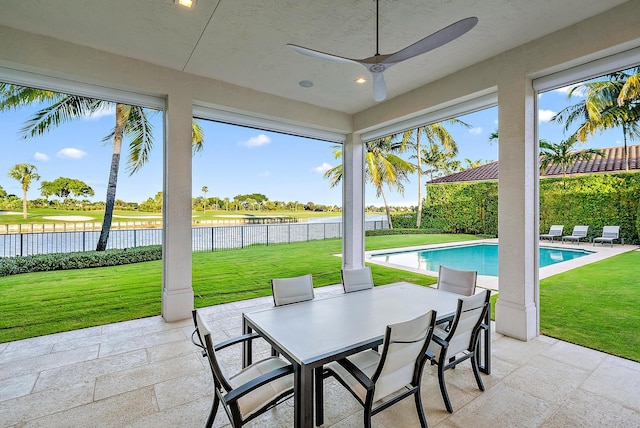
(600,252)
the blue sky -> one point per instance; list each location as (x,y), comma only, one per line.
(236,160)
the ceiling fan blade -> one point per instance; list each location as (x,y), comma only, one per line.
(433,41)
(379,87)
(320,55)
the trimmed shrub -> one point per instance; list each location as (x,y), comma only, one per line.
(595,200)
(81,260)
(384,232)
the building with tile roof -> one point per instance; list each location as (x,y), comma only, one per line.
(612,161)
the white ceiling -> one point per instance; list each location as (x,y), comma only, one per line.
(243,42)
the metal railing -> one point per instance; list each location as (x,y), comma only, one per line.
(209,238)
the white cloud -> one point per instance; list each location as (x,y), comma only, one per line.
(110,110)
(40,157)
(256,141)
(322,168)
(566,89)
(545,115)
(475,131)
(71,153)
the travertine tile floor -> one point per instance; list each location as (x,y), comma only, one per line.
(146,373)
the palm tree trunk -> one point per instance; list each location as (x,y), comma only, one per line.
(113,179)
(626,149)
(24,202)
(419,164)
(386,207)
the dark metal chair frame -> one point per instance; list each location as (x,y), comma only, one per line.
(446,362)
(369,383)
(223,392)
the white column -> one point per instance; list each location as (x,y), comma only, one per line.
(516,310)
(177,292)
(353,202)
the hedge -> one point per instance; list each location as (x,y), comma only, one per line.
(595,200)
(81,260)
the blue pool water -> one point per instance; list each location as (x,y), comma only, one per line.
(479,257)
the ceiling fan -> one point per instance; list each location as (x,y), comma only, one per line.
(377,64)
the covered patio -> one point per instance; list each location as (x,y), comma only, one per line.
(146,373)
(227,61)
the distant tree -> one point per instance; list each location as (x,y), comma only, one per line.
(439,162)
(435,134)
(468,163)
(382,167)
(205,189)
(3,193)
(493,137)
(64,187)
(152,204)
(562,154)
(25,173)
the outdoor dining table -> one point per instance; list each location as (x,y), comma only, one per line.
(313,333)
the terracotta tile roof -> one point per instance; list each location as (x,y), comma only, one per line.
(611,162)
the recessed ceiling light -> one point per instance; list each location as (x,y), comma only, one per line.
(186,3)
(360,80)
(305,83)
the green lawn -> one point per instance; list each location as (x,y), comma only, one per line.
(36,304)
(594,306)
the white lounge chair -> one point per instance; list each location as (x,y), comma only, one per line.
(609,234)
(554,232)
(579,232)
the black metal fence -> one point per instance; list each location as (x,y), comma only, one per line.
(209,238)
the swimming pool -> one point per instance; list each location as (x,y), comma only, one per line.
(479,257)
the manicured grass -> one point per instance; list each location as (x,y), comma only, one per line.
(596,306)
(36,215)
(36,304)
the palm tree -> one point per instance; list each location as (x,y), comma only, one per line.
(435,133)
(25,173)
(130,121)
(607,104)
(382,167)
(439,161)
(205,189)
(562,154)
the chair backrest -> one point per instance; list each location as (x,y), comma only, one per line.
(611,232)
(461,282)
(464,328)
(357,279)
(403,354)
(292,290)
(556,230)
(580,231)
(203,333)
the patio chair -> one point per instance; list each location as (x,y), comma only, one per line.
(371,376)
(461,341)
(457,281)
(357,279)
(554,231)
(609,234)
(292,290)
(579,232)
(249,393)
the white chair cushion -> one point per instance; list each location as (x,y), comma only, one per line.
(256,399)
(367,361)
